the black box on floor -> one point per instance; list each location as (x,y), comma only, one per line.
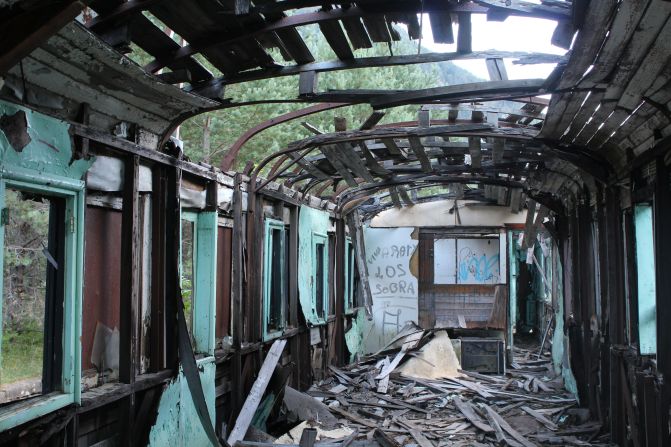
(484,355)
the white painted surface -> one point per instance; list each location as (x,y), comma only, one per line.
(393,286)
(437,214)
(478,261)
(445,261)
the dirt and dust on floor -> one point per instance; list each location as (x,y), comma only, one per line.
(414,393)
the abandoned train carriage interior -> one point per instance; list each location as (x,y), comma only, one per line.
(460,261)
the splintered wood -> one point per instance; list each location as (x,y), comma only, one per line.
(527,406)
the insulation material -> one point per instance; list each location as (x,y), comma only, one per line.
(294,435)
(435,360)
(441,214)
(106,174)
(192,198)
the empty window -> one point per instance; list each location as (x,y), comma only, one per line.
(32,302)
(646,283)
(350,276)
(275,277)
(320,275)
(188,269)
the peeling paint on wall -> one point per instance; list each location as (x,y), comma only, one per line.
(177,424)
(43,146)
(310,221)
(354,337)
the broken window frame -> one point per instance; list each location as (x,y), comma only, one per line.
(320,239)
(203,299)
(350,269)
(67,390)
(269,256)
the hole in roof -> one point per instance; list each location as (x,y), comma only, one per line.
(513,34)
(165,28)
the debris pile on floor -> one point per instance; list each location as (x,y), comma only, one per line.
(413,393)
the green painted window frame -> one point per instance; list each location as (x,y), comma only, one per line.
(205,278)
(269,226)
(72,191)
(317,239)
(350,267)
(646,282)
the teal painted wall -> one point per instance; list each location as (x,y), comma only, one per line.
(177,424)
(354,337)
(44,166)
(310,222)
(646,283)
(49,151)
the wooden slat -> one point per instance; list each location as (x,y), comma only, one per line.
(345,152)
(441,27)
(336,39)
(624,24)
(496,69)
(394,197)
(377,29)
(392,147)
(371,162)
(462,92)
(358,36)
(372,120)
(330,152)
(464,34)
(583,115)
(420,153)
(244,419)
(309,167)
(475,150)
(589,41)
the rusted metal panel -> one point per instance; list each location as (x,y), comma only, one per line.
(102,275)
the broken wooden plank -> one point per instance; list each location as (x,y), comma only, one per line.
(467,410)
(420,153)
(504,425)
(256,393)
(540,418)
(475,150)
(354,418)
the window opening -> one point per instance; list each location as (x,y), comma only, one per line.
(320,276)
(32,304)
(350,272)
(646,283)
(276,277)
(188,270)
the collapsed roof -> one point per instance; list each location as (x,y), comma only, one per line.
(498,141)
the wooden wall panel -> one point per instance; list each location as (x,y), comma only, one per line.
(102,272)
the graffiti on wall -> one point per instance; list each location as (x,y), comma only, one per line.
(467,261)
(392,284)
(477,267)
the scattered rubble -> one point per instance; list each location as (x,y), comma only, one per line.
(379,402)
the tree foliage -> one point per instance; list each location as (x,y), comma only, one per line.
(208,136)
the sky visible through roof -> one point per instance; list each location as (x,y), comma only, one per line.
(513,34)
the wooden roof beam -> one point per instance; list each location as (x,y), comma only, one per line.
(519,58)
(462,92)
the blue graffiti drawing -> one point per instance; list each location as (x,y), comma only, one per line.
(480,268)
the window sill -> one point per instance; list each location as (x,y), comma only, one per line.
(24,411)
(113,391)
